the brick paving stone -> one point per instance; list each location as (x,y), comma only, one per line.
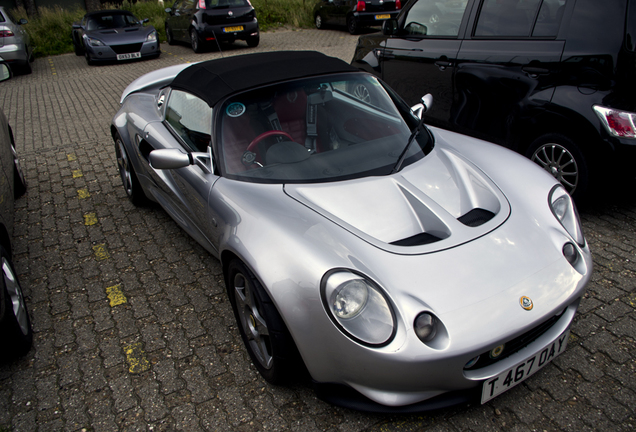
(188,369)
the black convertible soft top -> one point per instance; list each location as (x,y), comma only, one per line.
(213,80)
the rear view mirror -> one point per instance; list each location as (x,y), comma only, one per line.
(420,108)
(390,27)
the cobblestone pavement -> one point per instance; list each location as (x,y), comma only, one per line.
(133,330)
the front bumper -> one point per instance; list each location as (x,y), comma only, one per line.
(110,53)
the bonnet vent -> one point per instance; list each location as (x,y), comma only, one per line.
(476,217)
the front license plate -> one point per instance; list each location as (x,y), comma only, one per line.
(382,17)
(128,56)
(519,372)
(232,29)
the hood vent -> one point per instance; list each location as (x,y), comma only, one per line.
(417,240)
(476,217)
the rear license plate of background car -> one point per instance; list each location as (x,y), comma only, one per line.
(232,29)
(382,17)
(519,372)
(128,56)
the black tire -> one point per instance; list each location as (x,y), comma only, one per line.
(352,25)
(128,176)
(15,324)
(88,59)
(263,331)
(77,47)
(195,41)
(253,41)
(561,157)
(169,37)
(318,21)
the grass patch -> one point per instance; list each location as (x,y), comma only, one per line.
(51,29)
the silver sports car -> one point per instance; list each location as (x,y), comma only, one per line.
(405,267)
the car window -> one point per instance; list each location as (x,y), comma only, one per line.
(316,130)
(191,119)
(104,22)
(519,18)
(1,17)
(188,4)
(435,17)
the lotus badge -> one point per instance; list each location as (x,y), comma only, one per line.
(526,303)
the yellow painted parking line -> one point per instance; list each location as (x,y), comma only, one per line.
(115,295)
(53,71)
(83,193)
(136,358)
(77,173)
(90,219)
(71,157)
(100,251)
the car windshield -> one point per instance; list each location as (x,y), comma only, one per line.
(315,130)
(112,21)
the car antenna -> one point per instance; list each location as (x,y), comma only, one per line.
(217,43)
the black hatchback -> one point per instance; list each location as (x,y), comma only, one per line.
(355,14)
(552,79)
(204,23)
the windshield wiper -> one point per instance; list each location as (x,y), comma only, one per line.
(427,101)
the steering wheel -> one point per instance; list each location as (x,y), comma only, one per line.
(266,134)
(252,154)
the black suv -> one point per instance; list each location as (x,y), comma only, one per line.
(203,23)
(552,79)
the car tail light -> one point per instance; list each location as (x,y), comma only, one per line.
(361,7)
(621,124)
(6,33)
(201,4)
(398,4)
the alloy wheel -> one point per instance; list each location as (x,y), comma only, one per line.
(558,161)
(253,324)
(124,168)
(15,294)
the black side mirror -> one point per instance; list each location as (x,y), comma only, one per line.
(390,27)
(168,10)
(22,21)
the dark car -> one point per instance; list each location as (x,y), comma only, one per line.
(16,334)
(553,80)
(114,35)
(355,14)
(204,23)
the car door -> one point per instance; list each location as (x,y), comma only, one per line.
(184,192)
(420,57)
(507,67)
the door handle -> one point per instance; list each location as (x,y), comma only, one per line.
(534,71)
(443,64)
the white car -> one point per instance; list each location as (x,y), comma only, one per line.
(15,43)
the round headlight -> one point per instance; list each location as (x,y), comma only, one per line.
(350,299)
(358,307)
(425,326)
(564,210)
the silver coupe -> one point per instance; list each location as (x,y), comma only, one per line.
(404,267)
